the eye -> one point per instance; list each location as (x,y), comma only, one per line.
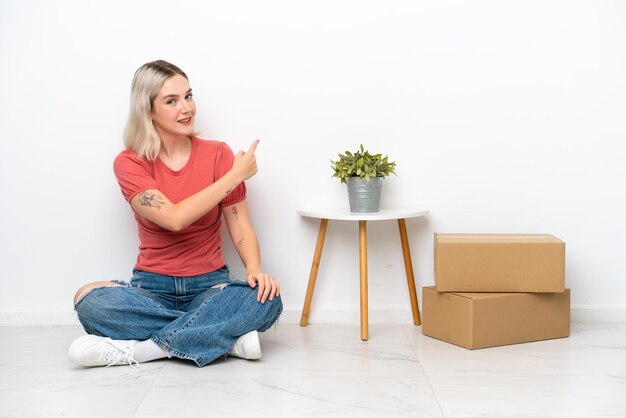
(189,96)
(170,101)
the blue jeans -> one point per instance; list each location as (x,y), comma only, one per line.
(189,317)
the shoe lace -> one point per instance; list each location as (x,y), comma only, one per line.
(122,354)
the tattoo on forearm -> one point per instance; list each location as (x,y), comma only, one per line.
(240,242)
(152,200)
(236,212)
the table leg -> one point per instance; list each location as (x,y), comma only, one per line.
(304,319)
(408,266)
(363,270)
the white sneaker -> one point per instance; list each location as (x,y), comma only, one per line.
(247,347)
(91,350)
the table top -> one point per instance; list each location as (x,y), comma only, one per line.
(344,214)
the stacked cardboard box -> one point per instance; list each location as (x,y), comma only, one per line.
(497,289)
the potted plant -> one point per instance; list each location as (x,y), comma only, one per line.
(364,174)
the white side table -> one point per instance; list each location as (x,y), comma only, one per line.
(400,215)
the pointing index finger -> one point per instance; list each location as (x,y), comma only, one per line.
(253,147)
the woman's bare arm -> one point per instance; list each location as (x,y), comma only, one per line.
(153,205)
(245,241)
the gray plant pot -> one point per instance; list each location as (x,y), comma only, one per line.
(364,195)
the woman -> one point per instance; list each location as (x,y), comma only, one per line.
(180,301)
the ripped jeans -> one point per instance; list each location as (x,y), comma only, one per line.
(197,318)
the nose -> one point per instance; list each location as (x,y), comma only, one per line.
(185,107)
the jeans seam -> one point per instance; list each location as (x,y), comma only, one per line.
(165,340)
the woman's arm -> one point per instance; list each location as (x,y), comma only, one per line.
(153,205)
(245,241)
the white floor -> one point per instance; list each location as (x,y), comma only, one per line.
(326,371)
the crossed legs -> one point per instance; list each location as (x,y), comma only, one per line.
(202,334)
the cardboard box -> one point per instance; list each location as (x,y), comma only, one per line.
(479,320)
(499,263)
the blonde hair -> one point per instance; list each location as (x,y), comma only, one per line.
(140,135)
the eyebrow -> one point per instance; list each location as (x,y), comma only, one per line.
(175,95)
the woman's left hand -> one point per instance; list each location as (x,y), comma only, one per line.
(268,286)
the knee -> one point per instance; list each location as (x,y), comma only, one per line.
(271,311)
(82,291)
(274,306)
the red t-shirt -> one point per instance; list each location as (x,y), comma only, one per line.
(196,249)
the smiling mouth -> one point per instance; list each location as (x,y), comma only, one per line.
(185,121)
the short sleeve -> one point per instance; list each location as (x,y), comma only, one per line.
(223,163)
(133,175)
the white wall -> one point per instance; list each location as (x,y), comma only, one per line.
(502,117)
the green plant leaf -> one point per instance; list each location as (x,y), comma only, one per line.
(362,164)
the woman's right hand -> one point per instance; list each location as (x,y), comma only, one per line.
(245,162)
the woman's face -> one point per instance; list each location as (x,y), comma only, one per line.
(174,110)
